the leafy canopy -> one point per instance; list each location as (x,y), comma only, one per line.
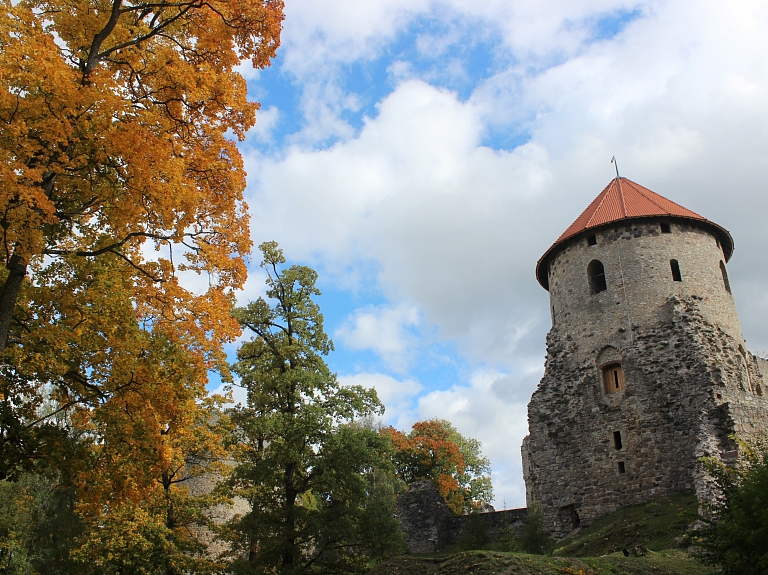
(320,485)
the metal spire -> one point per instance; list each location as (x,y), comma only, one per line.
(616,165)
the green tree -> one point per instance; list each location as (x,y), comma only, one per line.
(312,477)
(535,539)
(736,519)
(37,525)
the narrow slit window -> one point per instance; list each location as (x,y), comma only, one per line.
(596,273)
(675,270)
(726,283)
(592,240)
(617,440)
(622,467)
(666,228)
(613,378)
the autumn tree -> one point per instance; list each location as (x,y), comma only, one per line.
(436,451)
(308,471)
(114,121)
(157,434)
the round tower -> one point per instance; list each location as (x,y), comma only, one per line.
(620,262)
(646,368)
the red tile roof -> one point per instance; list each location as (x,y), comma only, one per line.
(623,199)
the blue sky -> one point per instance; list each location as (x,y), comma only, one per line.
(423,154)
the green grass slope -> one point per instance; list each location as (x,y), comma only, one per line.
(653,525)
(594,550)
(670,562)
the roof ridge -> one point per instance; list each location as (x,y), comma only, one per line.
(637,187)
(604,195)
(621,193)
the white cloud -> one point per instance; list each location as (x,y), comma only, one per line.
(383,329)
(446,219)
(395,394)
(266,122)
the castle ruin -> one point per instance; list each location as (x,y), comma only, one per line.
(646,370)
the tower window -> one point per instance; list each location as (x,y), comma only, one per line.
(666,228)
(726,283)
(592,240)
(675,270)
(617,440)
(622,467)
(613,380)
(596,273)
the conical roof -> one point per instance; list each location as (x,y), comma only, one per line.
(623,199)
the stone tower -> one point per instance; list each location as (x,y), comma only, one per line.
(646,368)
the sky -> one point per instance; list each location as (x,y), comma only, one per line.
(421,155)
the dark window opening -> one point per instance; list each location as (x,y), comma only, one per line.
(617,439)
(553,315)
(596,273)
(569,514)
(675,270)
(666,228)
(622,468)
(726,283)
(717,242)
(592,240)
(613,378)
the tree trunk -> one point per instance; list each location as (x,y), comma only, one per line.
(17,269)
(290,516)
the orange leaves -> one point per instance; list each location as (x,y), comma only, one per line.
(428,452)
(113,132)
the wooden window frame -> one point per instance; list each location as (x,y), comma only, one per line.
(613,378)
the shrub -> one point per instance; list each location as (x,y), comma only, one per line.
(735,521)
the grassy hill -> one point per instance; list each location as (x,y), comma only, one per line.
(650,533)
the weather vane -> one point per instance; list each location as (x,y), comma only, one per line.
(616,164)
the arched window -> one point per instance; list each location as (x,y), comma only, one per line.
(613,378)
(726,283)
(675,270)
(596,274)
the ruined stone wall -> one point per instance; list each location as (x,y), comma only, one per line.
(430,526)
(689,385)
(636,256)
(204,484)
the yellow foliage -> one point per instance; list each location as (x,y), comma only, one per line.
(118,170)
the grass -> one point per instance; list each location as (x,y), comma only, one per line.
(594,550)
(669,562)
(655,526)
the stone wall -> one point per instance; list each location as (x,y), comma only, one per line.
(636,257)
(689,385)
(430,526)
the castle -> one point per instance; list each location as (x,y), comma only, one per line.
(646,370)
